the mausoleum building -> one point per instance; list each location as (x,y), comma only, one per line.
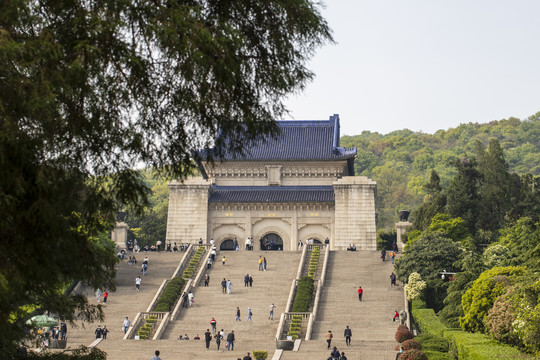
(298,186)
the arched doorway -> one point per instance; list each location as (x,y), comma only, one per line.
(227,245)
(271,242)
(317,242)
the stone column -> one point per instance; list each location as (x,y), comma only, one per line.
(187,219)
(294,232)
(355,213)
(401,229)
(119,235)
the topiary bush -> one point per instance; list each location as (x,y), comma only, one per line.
(436,355)
(260,355)
(411,344)
(432,342)
(304,294)
(413,354)
(168,297)
(403,334)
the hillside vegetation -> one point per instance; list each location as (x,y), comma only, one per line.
(401,161)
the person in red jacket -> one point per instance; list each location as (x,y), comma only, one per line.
(105,296)
(213,323)
(360,293)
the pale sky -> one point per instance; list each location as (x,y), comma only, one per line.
(424,64)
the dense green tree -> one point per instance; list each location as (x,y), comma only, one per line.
(434,203)
(91,89)
(479,299)
(428,255)
(463,193)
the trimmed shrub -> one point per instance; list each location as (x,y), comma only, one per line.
(170,294)
(413,354)
(436,355)
(432,342)
(260,355)
(428,322)
(411,344)
(481,347)
(403,334)
(304,295)
(402,327)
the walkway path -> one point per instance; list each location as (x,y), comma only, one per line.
(370,320)
(269,287)
(126,300)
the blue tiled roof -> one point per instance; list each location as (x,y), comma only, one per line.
(271,194)
(299,140)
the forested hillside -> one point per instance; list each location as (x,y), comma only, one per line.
(401,161)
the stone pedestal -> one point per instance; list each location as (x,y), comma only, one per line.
(119,234)
(401,229)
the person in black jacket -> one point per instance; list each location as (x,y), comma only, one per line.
(208,338)
(230,341)
(347,334)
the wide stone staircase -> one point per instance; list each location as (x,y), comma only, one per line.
(271,286)
(370,320)
(126,300)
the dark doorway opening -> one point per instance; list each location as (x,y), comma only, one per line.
(271,242)
(227,245)
(317,242)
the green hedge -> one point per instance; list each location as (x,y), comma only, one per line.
(432,342)
(192,265)
(170,294)
(466,346)
(428,322)
(260,355)
(304,294)
(435,355)
(474,346)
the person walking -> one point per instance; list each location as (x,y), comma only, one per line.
(271,313)
(250,281)
(138,283)
(191,298)
(360,293)
(396,316)
(207,338)
(260,263)
(249,315)
(105,296)
(246,280)
(224,286)
(218,340)
(144,267)
(209,263)
(223,260)
(392,279)
(98,295)
(238,314)
(392,256)
(343,357)
(126,324)
(347,334)
(230,341)
(206,280)
(98,332)
(184,300)
(329,337)
(63,330)
(229,285)
(213,324)
(335,354)
(264,263)
(383,254)
(104,332)
(156,356)
(247,357)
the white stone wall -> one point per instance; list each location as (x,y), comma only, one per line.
(355,213)
(188,211)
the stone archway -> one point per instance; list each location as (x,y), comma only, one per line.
(227,245)
(271,241)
